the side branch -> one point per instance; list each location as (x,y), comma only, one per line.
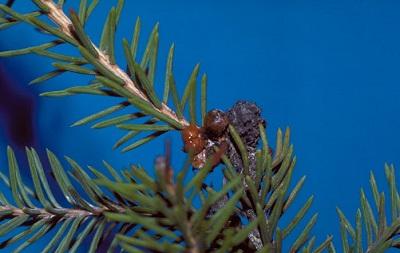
(45,214)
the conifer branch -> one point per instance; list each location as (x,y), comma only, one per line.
(135,85)
(381,233)
(163,206)
(142,213)
(57,15)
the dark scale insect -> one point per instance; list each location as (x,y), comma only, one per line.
(215,124)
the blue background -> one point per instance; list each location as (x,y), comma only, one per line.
(327,69)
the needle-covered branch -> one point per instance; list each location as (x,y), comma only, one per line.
(135,85)
(169,212)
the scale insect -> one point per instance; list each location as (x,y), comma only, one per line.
(198,139)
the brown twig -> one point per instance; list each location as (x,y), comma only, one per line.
(45,214)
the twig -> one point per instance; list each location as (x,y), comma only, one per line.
(45,214)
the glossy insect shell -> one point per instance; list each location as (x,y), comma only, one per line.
(193,139)
(215,123)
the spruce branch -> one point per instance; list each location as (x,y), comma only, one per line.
(141,213)
(157,214)
(135,85)
(372,222)
(39,211)
(56,14)
(136,201)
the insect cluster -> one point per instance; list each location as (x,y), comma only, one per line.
(200,140)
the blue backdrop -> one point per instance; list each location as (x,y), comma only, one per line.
(327,69)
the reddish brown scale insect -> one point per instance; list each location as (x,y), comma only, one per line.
(215,124)
(193,139)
